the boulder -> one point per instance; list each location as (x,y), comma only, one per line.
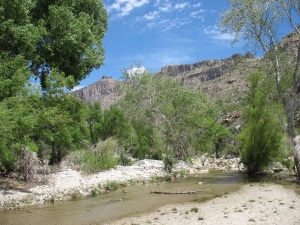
(150,163)
(242,168)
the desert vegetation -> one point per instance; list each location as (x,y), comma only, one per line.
(157,117)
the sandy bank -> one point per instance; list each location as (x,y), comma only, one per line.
(67,183)
(253,204)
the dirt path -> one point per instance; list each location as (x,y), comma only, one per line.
(253,204)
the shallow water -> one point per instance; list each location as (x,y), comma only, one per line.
(130,200)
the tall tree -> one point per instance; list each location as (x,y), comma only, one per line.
(261,137)
(259,22)
(169,113)
(64,35)
(95,122)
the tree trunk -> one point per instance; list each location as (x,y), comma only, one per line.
(295,92)
(297,157)
(290,109)
(289,100)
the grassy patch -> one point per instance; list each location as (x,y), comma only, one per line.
(195,210)
(113,185)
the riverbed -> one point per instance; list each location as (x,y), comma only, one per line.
(127,201)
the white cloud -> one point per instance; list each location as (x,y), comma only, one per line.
(197,14)
(216,34)
(165,8)
(124,7)
(151,15)
(76,88)
(182,5)
(136,71)
(197,5)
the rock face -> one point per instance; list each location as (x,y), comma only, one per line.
(225,80)
(204,70)
(193,75)
(102,91)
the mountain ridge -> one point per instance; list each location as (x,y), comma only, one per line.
(224,80)
(193,75)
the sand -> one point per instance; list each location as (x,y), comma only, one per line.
(253,204)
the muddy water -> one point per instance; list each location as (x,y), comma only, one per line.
(126,201)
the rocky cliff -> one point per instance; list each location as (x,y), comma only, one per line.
(205,70)
(214,77)
(102,91)
(224,79)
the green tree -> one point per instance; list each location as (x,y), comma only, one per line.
(95,122)
(18,119)
(61,35)
(259,23)
(61,125)
(13,75)
(115,123)
(218,134)
(167,116)
(261,137)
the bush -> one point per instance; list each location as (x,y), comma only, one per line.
(124,160)
(30,167)
(262,134)
(96,158)
(112,185)
(169,162)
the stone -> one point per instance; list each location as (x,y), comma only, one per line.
(242,168)
(150,163)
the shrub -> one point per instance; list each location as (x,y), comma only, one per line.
(97,158)
(113,185)
(262,135)
(169,161)
(124,160)
(30,167)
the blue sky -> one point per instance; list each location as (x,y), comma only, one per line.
(157,33)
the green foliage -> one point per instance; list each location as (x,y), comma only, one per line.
(95,122)
(59,43)
(43,125)
(262,135)
(114,123)
(100,157)
(195,209)
(54,37)
(14,75)
(169,161)
(260,23)
(112,185)
(71,41)
(166,115)
(124,160)
(56,119)
(17,128)
(217,134)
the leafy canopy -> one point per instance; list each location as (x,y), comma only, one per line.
(167,116)
(61,35)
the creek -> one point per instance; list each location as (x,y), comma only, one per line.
(126,201)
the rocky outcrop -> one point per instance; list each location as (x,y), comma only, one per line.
(102,91)
(204,70)
(225,80)
(195,75)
